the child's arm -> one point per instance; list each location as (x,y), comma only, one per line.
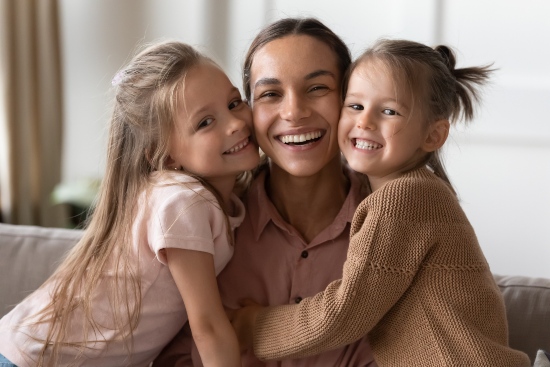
(194,274)
(387,246)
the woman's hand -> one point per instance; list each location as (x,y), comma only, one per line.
(243,321)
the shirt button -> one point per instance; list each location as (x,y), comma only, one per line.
(305,254)
(298,299)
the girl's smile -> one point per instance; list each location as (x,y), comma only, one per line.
(378,133)
(366,144)
(238,147)
(213,137)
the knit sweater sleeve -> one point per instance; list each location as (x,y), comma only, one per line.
(392,231)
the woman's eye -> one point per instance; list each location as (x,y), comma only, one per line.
(235,103)
(204,123)
(357,107)
(318,88)
(390,112)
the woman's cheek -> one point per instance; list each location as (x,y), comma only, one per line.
(260,118)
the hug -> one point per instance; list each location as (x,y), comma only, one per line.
(342,244)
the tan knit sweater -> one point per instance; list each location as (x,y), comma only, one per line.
(415,280)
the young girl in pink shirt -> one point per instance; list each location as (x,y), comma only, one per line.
(415,280)
(180,139)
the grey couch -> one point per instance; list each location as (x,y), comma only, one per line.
(28,255)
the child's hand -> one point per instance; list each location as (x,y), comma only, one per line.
(243,321)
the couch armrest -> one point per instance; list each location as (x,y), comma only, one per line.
(28,256)
(527,302)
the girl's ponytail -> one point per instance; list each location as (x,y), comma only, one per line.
(468,81)
(436,86)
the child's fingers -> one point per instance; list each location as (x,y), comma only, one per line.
(248,302)
(230,313)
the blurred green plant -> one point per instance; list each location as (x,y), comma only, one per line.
(79,195)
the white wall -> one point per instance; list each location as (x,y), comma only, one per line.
(500,165)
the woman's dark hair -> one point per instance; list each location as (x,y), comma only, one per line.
(296,26)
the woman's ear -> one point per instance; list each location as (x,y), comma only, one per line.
(436,136)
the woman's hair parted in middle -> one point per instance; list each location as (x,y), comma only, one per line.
(296,27)
(429,78)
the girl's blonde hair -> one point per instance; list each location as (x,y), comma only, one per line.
(146,101)
(428,75)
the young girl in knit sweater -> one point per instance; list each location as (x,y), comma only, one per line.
(415,279)
(180,137)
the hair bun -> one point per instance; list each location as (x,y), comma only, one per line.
(447,55)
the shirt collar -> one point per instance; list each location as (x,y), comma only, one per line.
(261,209)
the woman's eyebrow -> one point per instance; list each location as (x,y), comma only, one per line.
(267,81)
(317,73)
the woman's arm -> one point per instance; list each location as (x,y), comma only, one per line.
(194,274)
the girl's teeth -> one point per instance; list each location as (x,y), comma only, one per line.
(360,144)
(238,147)
(300,138)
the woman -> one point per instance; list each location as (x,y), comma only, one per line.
(294,238)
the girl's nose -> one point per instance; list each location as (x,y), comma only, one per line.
(235,125)
(294,108)
(365,122)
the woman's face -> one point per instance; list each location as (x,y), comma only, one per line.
(295,98)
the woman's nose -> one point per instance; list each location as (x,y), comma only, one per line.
(294,108)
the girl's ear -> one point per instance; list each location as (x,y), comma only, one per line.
(436,136)
(170,163)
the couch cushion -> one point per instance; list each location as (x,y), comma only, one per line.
(28,256)
(527,302)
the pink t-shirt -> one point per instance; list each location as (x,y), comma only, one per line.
(274,265)
(178,213)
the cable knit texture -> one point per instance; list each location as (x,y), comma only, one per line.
(415,280)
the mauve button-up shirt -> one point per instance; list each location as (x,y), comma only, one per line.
(273,265)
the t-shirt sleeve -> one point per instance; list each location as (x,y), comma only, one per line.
(184,222)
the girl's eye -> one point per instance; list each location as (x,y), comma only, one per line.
(390,112)
(356,107)
(204,123)
(235,104)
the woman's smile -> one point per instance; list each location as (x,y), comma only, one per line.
(301,138)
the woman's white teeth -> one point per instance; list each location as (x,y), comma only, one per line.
(367,145)
(300,138)
(238,147)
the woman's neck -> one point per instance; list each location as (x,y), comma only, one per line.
(311,203)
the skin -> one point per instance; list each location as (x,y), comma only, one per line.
(380,137)
(379,134)
(213,140)
(295,86)
(213,133)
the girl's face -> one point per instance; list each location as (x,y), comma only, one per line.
(295,98)
(379,134)
(213,133)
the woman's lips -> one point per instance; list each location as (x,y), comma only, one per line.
(301,138)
